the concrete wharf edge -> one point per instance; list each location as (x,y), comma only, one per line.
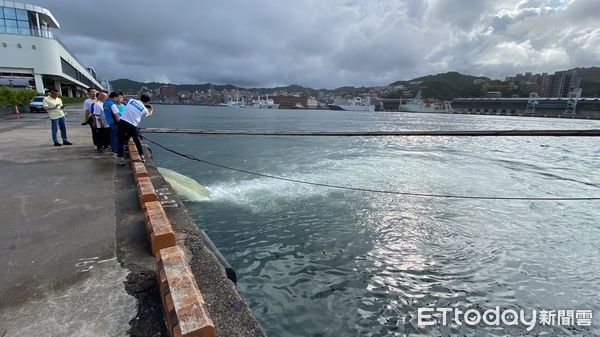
(229,312)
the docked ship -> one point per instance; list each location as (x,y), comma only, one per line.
(355,104)
(266,103)
(237,103)
(418,104)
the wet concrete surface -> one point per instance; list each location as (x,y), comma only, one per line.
(74,258)
(59,270)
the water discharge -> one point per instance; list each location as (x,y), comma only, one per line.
(186,187)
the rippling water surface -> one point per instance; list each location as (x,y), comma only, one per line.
(316,261)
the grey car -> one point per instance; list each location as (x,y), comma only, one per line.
(37,104)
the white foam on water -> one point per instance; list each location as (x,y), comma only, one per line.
(186,187)
(265,193)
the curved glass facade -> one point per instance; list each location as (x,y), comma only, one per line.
(21,22)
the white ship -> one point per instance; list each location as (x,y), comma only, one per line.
(266,103)
(417,104)
(237,103)
(355,104)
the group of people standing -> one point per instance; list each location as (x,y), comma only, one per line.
(114,120)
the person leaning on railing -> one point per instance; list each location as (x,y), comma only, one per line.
(128,125)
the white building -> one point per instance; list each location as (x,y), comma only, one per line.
(30,56)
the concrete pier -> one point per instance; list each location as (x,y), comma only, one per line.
(74,258)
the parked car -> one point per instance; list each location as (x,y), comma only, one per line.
(37,104)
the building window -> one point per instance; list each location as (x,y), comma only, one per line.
(513,111)
(477,110)
(470,110)
(485,110)
(68,69)
(14,21)
(494,110)
(24,27)
(22,15)
(503,110)
(9,13)
(11,26)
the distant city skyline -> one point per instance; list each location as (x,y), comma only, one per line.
(329,44)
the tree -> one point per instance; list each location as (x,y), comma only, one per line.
(5,96)
(13,98)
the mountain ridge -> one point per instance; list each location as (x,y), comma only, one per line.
(446,86)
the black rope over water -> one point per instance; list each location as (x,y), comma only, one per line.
(415,194)
(424,133)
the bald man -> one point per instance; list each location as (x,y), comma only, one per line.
(102,126)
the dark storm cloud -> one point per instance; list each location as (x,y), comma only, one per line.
(325,43)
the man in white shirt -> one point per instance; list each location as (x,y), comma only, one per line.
(88,116)
(54,105)
(102,127)
(128,125)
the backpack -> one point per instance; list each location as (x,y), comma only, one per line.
(91,120)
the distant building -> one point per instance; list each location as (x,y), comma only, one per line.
(31,55)
(290,102)
(107,86)
(144,91)
(558,85)
(312,103)
(564,83)
(168,93)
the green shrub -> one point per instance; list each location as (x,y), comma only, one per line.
(9,98)
(16,97)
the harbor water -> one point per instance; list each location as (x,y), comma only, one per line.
(317,261)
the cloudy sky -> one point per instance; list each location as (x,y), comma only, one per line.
(326,43)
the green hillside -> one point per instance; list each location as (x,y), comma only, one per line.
(450,85)
(444,86)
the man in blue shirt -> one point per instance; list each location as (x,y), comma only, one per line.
(111,112)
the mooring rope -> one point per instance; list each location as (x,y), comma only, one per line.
(350,188)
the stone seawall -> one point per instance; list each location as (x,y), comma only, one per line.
(230,314)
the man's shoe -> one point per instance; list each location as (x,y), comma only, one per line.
(67,143)
(57,144)
(120,162)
